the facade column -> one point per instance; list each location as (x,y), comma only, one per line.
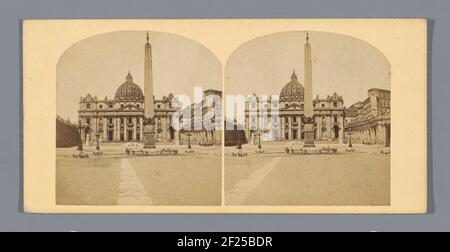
(105,128)
(282,128)
(117,129)
(114,128)
(372,135)
(164,127)
(94,128)
(368,135)
(125,129)
(134,128)
(330,130)
(319,127)
(341,127)
(141,128)
(375,135)
(381,134)
(290,127)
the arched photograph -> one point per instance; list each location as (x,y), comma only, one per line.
(125,128)
(310,123)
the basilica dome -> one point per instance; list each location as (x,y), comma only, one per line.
(129,90)
(293,91)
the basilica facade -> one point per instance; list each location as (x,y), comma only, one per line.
(285,116)
(121,119)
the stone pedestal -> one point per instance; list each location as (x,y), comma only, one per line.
(309,135)
(149,134)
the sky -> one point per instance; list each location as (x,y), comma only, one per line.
(340,64)
(98,65)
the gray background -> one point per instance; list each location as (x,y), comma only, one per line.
(12,12)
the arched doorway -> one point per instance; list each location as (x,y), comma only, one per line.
(295,134)
(324,133)
(172,133)
(336,131)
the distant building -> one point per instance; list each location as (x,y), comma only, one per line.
(67,134)
(197,133)
(369,121)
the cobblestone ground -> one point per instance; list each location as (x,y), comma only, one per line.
(118,179)
(276,178)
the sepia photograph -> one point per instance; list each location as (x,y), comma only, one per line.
(314,127)
(122,98)
(230,124)
(225,116)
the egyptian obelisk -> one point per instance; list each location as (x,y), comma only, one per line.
(149,102)
(308,98)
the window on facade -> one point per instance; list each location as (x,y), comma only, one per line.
(334,104)
(100,106)
(159,106)
(121,105)
(88,120)
(130,120)
(110,106)
(121,120)
(110,120)
(138,105)
(323,105)
(294,119)
(88,106)
(335,118)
